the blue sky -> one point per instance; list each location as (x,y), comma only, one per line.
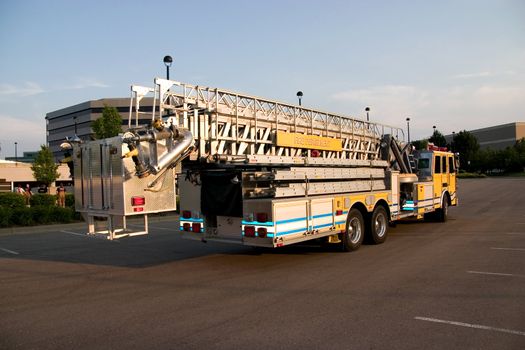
(454,64)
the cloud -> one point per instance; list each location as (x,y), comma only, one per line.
(28,133)
(450,108)
(484,74)
(27,89)
(85,83)
(473,75)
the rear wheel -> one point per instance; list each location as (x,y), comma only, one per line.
(354,232)
(442,214)
(378,225)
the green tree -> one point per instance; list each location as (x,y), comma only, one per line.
(438,139)
(109,125)
(420,144)
(467,146)
(44,168)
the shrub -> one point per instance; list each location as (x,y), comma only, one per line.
(22,216)
(12,200)
(5,215)
(43,199)
(41,214)
(62,215)
(70,200)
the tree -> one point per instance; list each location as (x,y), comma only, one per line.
(44,168)
(438,139)
(109,125)
(467,146)
(420,144)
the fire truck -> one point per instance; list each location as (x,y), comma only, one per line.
(257,172)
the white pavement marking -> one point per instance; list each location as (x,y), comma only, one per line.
(470,325)
(84,235)
(9,251)
(495,274)
(74,233)
(517,249)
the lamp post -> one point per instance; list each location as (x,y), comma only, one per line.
(452,142)
(408,129)
(434,127)
(299,96)
(167,62)
(367,109)
(16,151)
(75,120)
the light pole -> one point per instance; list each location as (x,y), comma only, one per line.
(299,96)
(75,120)
(408,129)
(434,127)
(16,152)
(167,62)
(367,109)
(452,142)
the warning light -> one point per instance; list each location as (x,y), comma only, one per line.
(135,201)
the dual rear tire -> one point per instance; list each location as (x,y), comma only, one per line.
(375,228)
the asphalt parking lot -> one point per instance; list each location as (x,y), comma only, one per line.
(458,285)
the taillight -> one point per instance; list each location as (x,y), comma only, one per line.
(249,231)
(135,201)
(186,226)
(196,227)
(338,212)
(261,232)
(186,214)
(262,217)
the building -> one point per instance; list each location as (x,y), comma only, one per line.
(77,119)
(27,157)
(499,136)
(14,173)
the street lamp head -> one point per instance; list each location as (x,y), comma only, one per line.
(299,94)
(408,119)
(367,109)
(168,60)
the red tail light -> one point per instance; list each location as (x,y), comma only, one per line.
(338,212)
(196,227)
(262,217)
(186,214)
(186,226)
(138,209)
(249,231)
(261,232)
(135,201)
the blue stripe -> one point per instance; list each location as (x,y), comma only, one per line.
(268,235)
(322,226)
(322,215)
(290,220)
(191,220)
(340,222)
(292,231)
(257,223)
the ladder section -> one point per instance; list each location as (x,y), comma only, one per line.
(232,127)
(305,181)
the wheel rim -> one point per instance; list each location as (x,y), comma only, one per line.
(354,230)
(380,225)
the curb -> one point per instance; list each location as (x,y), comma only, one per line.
(20,230)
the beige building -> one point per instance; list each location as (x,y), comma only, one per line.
(499,136)
(77,119)
(14,173)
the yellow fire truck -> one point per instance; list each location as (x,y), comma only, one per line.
(258,172)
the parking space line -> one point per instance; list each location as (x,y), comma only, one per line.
(10,251)
(74,233)
(516,249)
(84,235)
(495,274)
(470,325)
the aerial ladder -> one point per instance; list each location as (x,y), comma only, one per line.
(248,170)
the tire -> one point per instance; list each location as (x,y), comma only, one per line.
(354,231)
(442,214)
(378,225)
